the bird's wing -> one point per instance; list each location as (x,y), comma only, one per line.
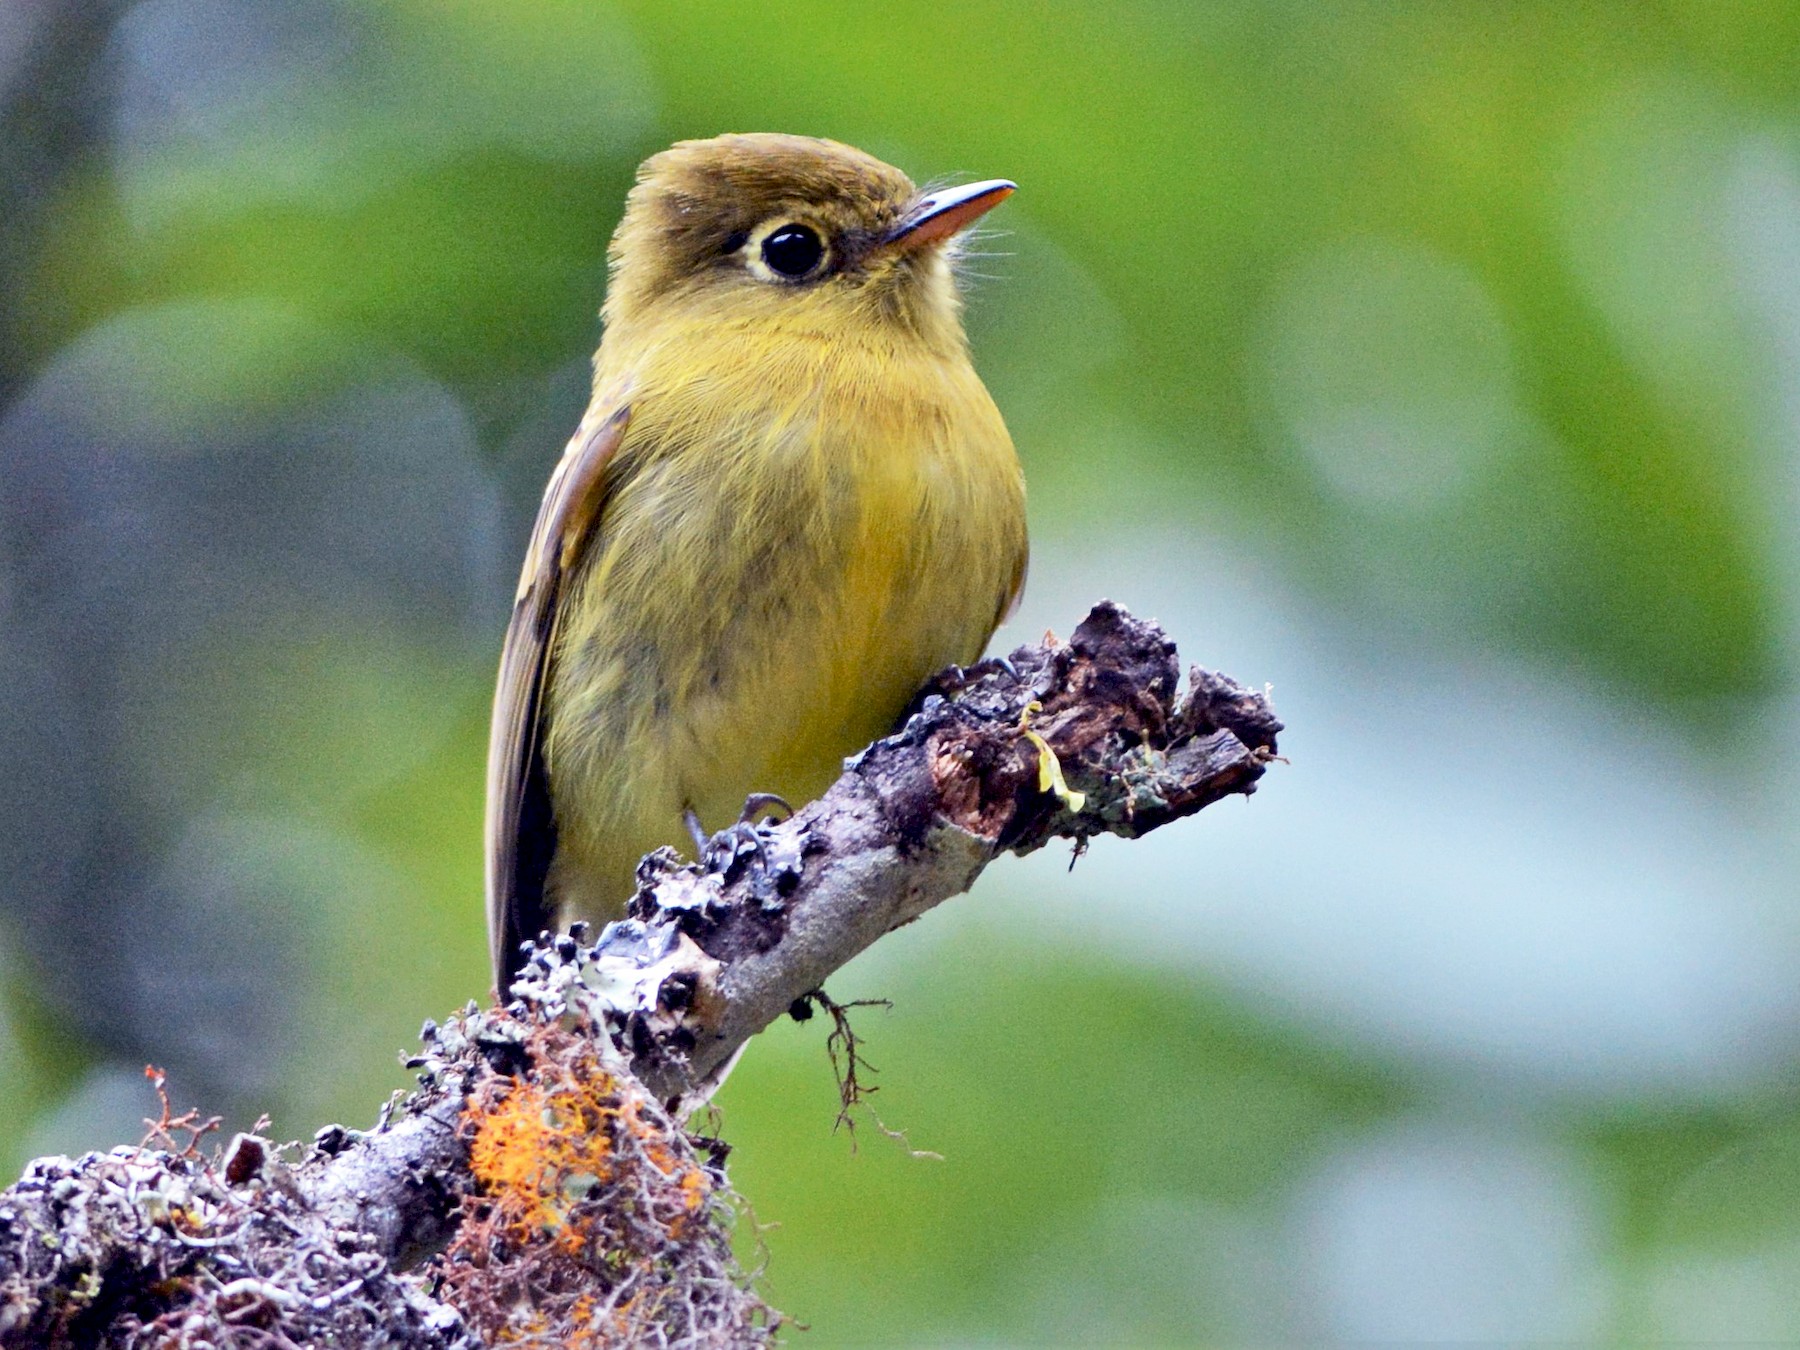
(521,833)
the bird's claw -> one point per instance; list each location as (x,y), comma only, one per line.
(771,858)
(758,804)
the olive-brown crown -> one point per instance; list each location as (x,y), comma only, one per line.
(707,217)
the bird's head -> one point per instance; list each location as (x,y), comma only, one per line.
(795,232)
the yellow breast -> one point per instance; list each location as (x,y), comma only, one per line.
(797,534)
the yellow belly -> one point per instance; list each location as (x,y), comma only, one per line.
(769,587)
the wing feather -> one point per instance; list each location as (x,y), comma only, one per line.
(521,829)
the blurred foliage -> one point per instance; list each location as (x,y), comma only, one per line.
(1475,321)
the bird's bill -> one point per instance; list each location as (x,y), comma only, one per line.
(938,215)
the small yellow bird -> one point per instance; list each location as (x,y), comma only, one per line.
(791,501)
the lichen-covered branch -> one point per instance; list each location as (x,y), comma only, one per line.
(1098,735)
(539,1186)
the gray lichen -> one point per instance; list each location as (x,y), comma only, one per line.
(538,1185)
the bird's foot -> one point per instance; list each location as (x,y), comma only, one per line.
(953,680)
(747,844)
(758,804)
(1001,663)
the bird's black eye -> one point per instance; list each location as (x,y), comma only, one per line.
(793,250)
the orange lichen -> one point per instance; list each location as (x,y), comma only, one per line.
(593,1207)
(541,1147)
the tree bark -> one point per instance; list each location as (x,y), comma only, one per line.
(539,1184)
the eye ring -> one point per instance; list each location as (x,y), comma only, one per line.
(793,251)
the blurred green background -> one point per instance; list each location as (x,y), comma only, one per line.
(1437,363)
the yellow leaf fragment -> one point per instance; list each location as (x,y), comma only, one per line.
(1050,774)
